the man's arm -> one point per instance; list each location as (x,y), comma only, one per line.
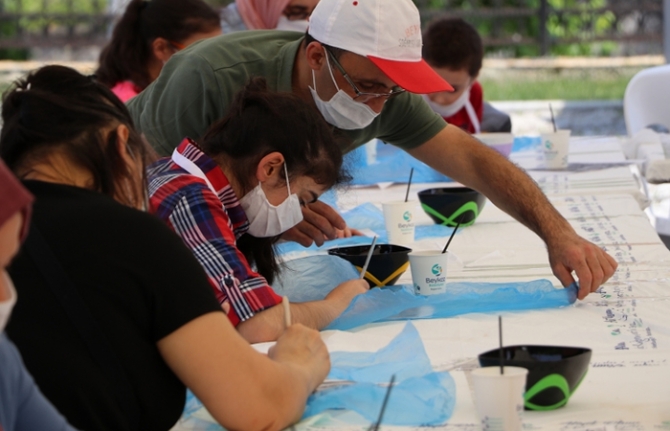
(269,324)
(463,158)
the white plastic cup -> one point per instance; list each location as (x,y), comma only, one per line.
(429,271)
(555,147)
(499,397)
(399,220)
(371,152)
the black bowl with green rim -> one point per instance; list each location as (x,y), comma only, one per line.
(449,205)
(387,264)
(554,372)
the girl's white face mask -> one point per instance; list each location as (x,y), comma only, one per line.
(342,111)
(296,25)
(267,220)
(7,305)
(447,111)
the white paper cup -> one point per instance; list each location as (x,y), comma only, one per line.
(429,271)
(555,148)
(399,220)
(499,397)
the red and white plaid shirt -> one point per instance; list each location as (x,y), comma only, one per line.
(210,225)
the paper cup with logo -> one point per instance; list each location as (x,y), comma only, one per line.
(499,397)
(555,148)
(399,220)
(429,271)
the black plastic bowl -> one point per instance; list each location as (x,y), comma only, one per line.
(554,372)
(387,263)
(449,205)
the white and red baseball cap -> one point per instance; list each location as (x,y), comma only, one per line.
(388,32)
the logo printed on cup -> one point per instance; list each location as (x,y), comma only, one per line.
(406,227)
(436,280)
(398,217)
(429,272)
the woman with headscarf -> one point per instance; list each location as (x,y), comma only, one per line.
(22,405)
(292,15)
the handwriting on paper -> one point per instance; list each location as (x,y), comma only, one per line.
(630,364)
(602,426)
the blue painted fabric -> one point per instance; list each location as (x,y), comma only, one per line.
(400,302)
(419,396)
(393,164)
(312,278)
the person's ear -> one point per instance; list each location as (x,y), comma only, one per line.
(316,55)
(122,134)
(269,168)
(162,49)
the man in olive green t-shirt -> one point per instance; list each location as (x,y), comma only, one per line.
(360,65)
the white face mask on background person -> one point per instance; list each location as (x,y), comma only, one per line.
(449,110)
(265,219)
(296,25)
(7,305)
(342,111)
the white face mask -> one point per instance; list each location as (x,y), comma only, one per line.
(449,110)
(265,219)
(297,25)
(8,304)
(342,111)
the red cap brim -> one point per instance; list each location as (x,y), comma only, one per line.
(414,76)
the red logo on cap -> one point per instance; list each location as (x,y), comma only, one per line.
(355,3)
(412,30)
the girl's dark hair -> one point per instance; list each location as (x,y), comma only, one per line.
(453,43)
(127,55)
(57,109)
(259,122)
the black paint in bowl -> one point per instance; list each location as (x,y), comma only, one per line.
(448,205)
(554,372)
(387,264)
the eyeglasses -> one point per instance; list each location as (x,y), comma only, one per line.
(362,96)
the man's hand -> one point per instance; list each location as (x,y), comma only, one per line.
(590,263)
(321,222)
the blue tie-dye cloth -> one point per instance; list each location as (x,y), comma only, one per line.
(400,302)
(419,395)
(312,278)
(392,164)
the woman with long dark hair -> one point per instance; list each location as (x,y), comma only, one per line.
(146,36)
(231,196)
(116,316)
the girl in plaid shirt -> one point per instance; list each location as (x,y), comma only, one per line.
(231,196)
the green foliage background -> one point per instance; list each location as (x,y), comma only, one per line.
(582,25)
